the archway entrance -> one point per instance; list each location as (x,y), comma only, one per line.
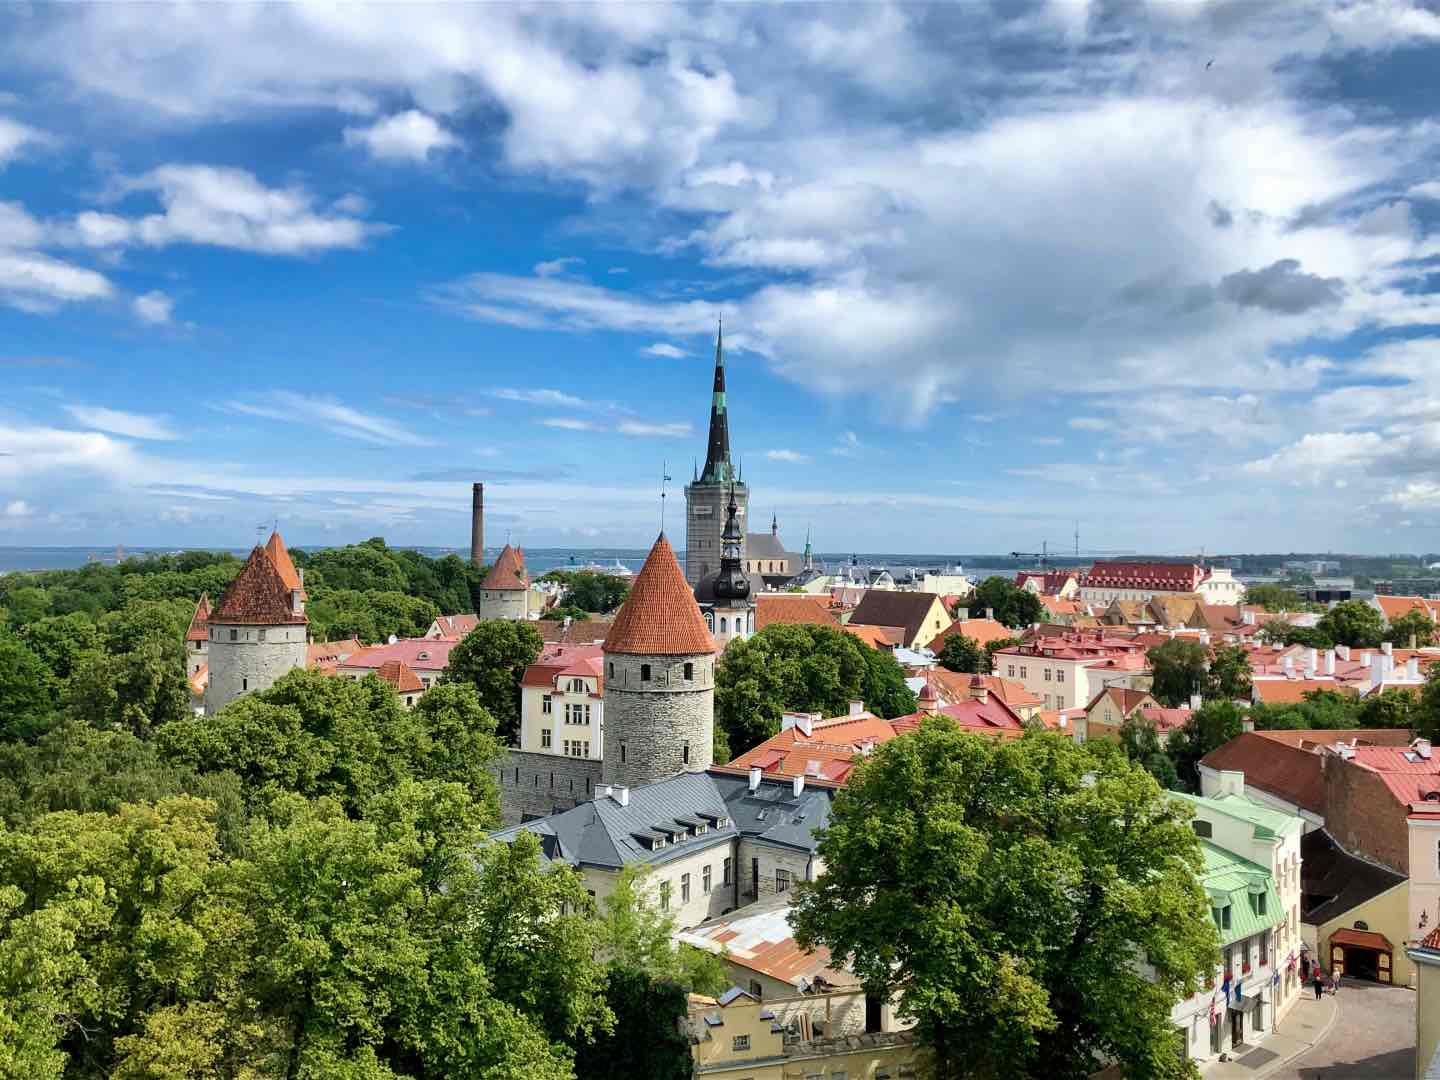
(1361,954)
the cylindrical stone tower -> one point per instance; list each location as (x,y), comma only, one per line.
(258,630)
(659,679)
(477,525)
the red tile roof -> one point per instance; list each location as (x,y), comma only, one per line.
(1293,691)
(557,661)
(980,631)
(660,616)
(456,626)
(792,608)
(1124,698)
(954,686)
(589,631)
(199,679)
(1049,582)
(200,621)
(1286,771)
(1431,940)
(399,675)
(259,596)
(1166,577)
(1409,781)
(994,717)
(1392,607)
(280,556)
(325,655)
(508,573)
(877,637)
(1165,720)
(420,654)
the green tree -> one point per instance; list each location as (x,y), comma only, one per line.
(1318,709)
(801,667)
(1229,674)
(1413,624)
(1392,708)
(1279,632)
(960,653)
(1142,745)
(1211,725)
(1425,718)
(1005,891)
(591,591)
(1178,668)
(1273,597)
(1354,623)
(1015,607)
(61,639)
(27,692)
(493,658)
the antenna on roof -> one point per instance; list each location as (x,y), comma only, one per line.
(664,479)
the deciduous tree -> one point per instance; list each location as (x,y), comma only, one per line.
(1229,674)
(1413,624)
(1354,623)
(1179,670)
(1033,904)
(1015,607)
(960,653)
(493,658)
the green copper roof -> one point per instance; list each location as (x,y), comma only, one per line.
(1268,823)
(1229,880)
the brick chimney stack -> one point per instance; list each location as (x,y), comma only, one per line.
(477,525)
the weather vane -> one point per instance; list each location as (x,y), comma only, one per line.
(665,477)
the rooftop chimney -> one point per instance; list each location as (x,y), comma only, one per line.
(1329,661)
(1196,701)
(755,775)
(803,720)
(1421,747)
(477,524)
(1377,669)
(978,690)
(798,785)
(622,796)
(1386,647)
(856,707)
(1248,618)
(1412,669)
(1343,651)
(990,613)
(602,791)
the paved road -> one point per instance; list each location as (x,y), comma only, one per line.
(1373,1038)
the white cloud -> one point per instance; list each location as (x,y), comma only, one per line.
(653,430)
(15,137)
(556,398)
(790,457)
(332,415)
(570,423)
(848,446)
(223,207)
(31,453)
(660,348)
(154,308)
(18,508)
(38,283)
(1088,423)
(116,422)
(557,266)
(408,136)
(1430,189)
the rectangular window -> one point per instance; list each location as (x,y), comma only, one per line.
(262,634)
(1047,674)
(1225,917)
(685,752)
(664,896)
(689,671)
(1229,967)
(1245,957)
(684,888)
(587,714)
(705,879)
(1264,949)
(644,672)
(782,881)
(1022,671)
(244,684)
(1010,670)
(739,1043)
(1059,674)
(546,705)
(545,738)
(234,635)
(725,872)
(622,753)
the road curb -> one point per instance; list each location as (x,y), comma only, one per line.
(1320,1037)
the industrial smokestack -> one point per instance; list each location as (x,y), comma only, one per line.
(477,525)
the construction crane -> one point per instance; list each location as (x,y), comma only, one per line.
(1042,557)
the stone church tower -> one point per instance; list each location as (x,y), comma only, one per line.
(724,597)
(258,630)
(659,679)
(707,494)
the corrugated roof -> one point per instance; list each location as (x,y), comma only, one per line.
(1266,821)
(760,938)
(258,596)
(660,616)
(508,573)
(1229,879)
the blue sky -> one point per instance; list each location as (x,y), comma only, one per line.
(1170,270)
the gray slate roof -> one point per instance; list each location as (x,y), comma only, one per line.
(602,833)
(1343,881)
(764,545)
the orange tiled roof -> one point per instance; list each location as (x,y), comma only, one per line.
(199,679)
(792,608)
(660,616)
(589,631)
(1392,607)
(456,626)
(325,655)
(1293,691)
(280,556)
(508,573)
(980,631)
(259,595)
(398,674)
(200,621)
(877,637)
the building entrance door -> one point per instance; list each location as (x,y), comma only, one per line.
(1217,1035)
(1237,1027)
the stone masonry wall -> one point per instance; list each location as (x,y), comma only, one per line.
(704,522)
(249,664)
(770,859)
(652,726)
(1363,816)
(537,785)
(504,604)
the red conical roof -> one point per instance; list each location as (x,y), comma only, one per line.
(200,621)
(259,595)
(660,616)
(280,556)
(508,571)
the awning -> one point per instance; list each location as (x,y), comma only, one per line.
(1365,939)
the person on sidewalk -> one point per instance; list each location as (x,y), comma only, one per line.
(1334,982)
(1319,984)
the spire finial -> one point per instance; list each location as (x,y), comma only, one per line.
(664,478)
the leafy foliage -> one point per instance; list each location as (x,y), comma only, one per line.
(1015,607)
(1414,623)
(1179,671)
(1354,623)
(1229,674)
(802,667)
(589,590)
(492,658)
(960,653)
(1214,723)
(1011,894)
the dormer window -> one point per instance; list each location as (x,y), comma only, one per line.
(422,655)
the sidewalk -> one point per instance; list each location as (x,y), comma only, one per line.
(1305,1025)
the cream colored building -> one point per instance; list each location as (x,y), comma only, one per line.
(562,703)
(1064,677)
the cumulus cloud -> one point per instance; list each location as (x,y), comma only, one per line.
(332,415)
(15,137)
(116,422)
(557,266)
(410,136)
(660,348)
(1281,287)
(154,308)
(223,207)
(38,283)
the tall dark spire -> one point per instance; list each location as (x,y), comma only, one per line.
(717,456)
(731,583)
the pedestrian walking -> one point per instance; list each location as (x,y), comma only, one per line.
(1319,984)
(1334,982)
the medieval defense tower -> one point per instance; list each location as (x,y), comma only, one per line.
(258,629)
(706,496)
(659,679)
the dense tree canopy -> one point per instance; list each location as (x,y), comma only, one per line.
(1033,903)
(1214,723)
(1015,607)
(960,653)
(1229,674)
(1354,623)
(589,590)
(1179,670)
(492,658)
(1273,597)
(1414,624)
(807,668)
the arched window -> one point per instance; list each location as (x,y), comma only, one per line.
(722,624)
(710,621)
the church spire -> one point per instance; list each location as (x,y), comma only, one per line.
(717,456)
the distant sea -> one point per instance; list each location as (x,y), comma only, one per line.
(537,560)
